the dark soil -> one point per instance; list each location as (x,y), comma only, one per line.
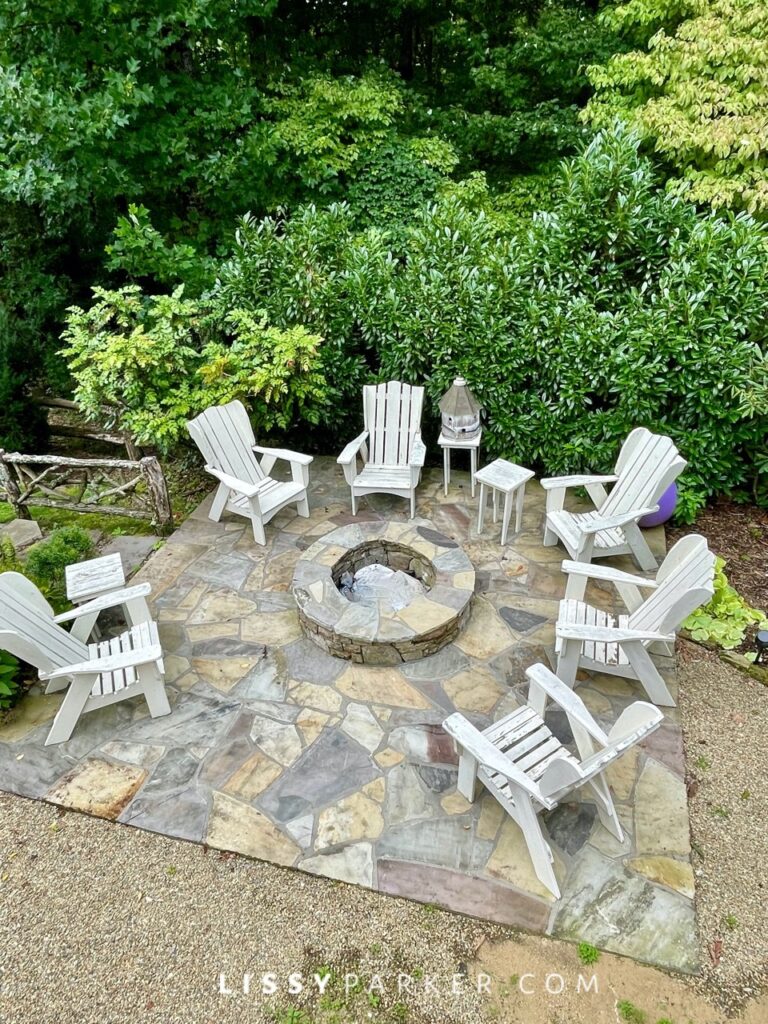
(739,534)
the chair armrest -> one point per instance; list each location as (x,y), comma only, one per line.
(352,449)
(110,600)
(284,453)
(620,519)
(481,748)
(574,707)
(418,452)
(110,663)
(552,482)
(611,634)
(246,489)
(605,572)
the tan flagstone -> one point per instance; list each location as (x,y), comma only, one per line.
(388,757)
(238,827)
(32,711)
(355,817)
(222,606)
(423,614)
(486,633)
(661,812)
(134,753)
(376,790)
(223,673)
(171,615)
(175,666)
(622,774)
(98,787)
(382,685)
(475,689)
(464,580)
(252,777)
(511,862)
(596,702)
(273,628)
(352,864)
(455,803)
(360,724)
(279,740)
(491,816)
(675,874)
(311,723)
(325,698)
(190,600)
(212,631)
(187,681)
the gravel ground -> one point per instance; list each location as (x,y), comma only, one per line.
(724,723)
(102,923)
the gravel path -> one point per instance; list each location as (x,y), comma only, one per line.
(102,923)
(725,714)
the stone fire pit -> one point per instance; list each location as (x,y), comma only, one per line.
(379,635)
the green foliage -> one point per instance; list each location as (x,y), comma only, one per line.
(588,954)
(159,360)
(630,1013)
(9,560)
(725,619)
(11,686)
(696,90)
(46,561)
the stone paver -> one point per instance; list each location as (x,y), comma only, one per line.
(278,750)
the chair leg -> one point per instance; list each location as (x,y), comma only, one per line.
(605,808)
(71,708)
(648,675)
(639,545)
(568,661)
(154,691)
(413,503)
(467,780)
(538,848)
(219,503)
(302,507)
(258,531)
(354,502)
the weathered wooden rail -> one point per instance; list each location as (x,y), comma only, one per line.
(86,485)
(89,431)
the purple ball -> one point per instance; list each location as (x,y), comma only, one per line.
(667,503)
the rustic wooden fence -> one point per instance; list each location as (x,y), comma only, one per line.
(87,485)
(86,431)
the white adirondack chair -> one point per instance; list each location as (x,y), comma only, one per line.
(96,674)
(589,638)
(392,436)
(528,770)
(647,464)
(225,437)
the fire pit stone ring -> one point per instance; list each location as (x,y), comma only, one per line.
(380,635)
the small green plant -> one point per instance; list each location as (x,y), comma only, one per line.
(48,559)
(724,620)
(731,922)
(11,687)
(721,812)
(588,954)
(630,1013)
(745,794)
(171,870)
(664,1020)
(703,763)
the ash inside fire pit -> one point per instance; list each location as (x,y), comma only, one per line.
(378,586)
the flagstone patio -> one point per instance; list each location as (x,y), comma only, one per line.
(277,750)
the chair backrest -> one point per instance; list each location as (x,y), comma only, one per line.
(647,464)
(561,776)
(224,435)
(392,415)
(27,628)
(685,581)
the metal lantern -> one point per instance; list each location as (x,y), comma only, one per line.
(460,411)
(761,645)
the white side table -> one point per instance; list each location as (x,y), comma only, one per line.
(87,581)
(510,480)
(472,445)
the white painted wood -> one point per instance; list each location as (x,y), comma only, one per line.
(85,580)
(392,418)
(472,445)
(510,480)
(646,466)
(93,675)
(527,769)
(596,640)
(225,437)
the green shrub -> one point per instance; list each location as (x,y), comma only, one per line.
(724,620)
(9,560)
(11,687)
(47,560)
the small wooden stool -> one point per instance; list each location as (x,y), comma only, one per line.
(460,445)
(510,480)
